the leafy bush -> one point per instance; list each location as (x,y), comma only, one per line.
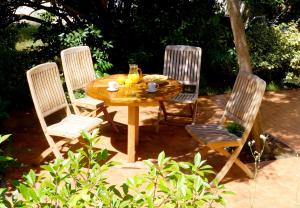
(235,128)
(5,161)
(275,49)
(292,79)
(13,64)
(4,158)
(79,181)
(90,36)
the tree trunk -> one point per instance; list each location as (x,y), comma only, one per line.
(239,35)
(242,50)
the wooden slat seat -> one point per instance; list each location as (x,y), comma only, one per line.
(183,63)
(79,71)
(241,108)
(215,135)
(72,125)
(88,102)
(184,98)
(48,97)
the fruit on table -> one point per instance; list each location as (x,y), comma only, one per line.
(121,80)
(128,82)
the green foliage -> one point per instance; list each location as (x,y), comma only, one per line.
(274,49)
(172,184)
(272,86)
(90,36)
(5,160)
(79,181)
(4,203)
(235,128)
(141,31)
(13,65)
(292,78)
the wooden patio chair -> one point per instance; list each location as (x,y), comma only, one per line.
(183,64)
(79,71)
(48,97)
(242,108)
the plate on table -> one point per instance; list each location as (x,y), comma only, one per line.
(112,89)
(157,78)
(147,90)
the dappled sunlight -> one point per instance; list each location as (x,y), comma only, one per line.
(280,115)
(277,97)
(281,119)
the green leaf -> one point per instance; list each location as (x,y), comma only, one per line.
(197,183)
(30,177)
(4,137)
(5,158)
(197,160)
(86,135)
(163,186)
(103,154)
(184,165)
(161,158)
(181,185)
(28,193)
(125,188)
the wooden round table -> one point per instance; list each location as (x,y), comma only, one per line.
(132,96)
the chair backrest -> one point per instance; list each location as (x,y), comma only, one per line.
(78,68)
(183,63)
(244,102)
(46,90)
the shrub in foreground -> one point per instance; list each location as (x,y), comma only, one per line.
(79,181)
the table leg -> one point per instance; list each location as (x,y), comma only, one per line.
(133,131)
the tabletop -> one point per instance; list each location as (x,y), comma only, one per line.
(133,95)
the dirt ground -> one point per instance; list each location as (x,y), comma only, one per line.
(280,116)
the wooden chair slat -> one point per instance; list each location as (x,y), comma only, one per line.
(183,63)
(242,108)
(48,97)
(79,71)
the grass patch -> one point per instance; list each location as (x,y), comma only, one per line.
(26,31)
(28,44)
(25,37)
(214,90)
(272,86)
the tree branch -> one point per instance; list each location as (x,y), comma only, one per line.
(48,9)
(18,17)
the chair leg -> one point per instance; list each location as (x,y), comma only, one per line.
(76,109)
(239,163)
(108,118)
(53,148)
(232,159)
(195,108)
(158,119)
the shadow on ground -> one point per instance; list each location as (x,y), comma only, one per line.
(280,116)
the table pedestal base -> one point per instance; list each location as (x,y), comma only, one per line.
(133,131)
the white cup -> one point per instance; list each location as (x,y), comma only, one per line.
(152,86)
(113,85)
